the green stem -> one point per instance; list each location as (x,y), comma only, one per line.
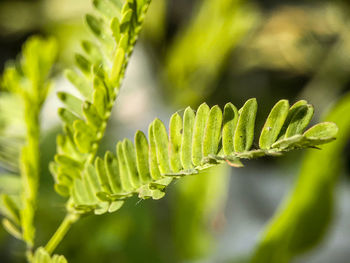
(61,231)
(30,171)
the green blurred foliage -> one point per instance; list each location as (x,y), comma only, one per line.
(304,216)
(218,51)
(198,212)
(199,52)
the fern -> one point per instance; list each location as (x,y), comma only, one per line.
(102,70)
(26,82)
(195,142)
(85,119)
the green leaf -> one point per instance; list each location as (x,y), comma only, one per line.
(118,3)
(130,158)
(62,190)
(102,175)
(83,136)
(295,107)
(114,206)
(83,63)
(64,178)
(100,100)
(91,114)
(230,120)
(186,148)
(105,7)
(115,27)
(112,169)
(212,132)
(127,14)
(124,42)
(67,116)
(65,144)
(162,144)
(89,191)
(175,137)
(102,208)
(287,142)
(244,134)
(125,21)
(71,102)
(67,161)
(94,24)
(198,133)
(274,124)
(123,169)
(323,131)
(93,51)
(92,178)
(155,173)
(79,82)
(300,120)
(11,208)
(11,228)
(142,157)
(117,65)
(80,192)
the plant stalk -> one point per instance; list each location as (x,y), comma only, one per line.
(61,232)
(30,163)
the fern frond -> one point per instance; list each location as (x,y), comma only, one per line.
(195,142)
(102,70)
(25,84)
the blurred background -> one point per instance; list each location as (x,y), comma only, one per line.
(214,51)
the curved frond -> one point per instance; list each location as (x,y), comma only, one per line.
(196,141)
(102,68)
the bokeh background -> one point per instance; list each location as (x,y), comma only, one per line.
(214,51)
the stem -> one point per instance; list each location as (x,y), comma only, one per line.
(30,172)
(61,231)
(29,255)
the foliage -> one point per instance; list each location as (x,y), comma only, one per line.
(85,120)
(309,206)
(196,141)
(28,81)
(41,256)
(197,55)
(198,211)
